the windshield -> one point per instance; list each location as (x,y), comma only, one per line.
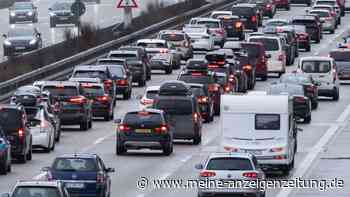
(228,163)
(270,44)
(10,120)
(286,88)
(243,11)
(209,24)
(61,91)
(89,74)
(320,13)
(61,6)
(20,32)
(173,37)
(175,106)
(36,191)
(33,113)
(22,6)
(267,122)
(296,79)
(316,66)
(276,23)
(93,90)
(307,23)
(127,56)
(74,164)
(340,56)
(116,71)
(144,119)
(332,3)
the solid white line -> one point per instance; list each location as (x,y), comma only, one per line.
(344,114)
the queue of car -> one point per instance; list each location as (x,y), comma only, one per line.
(214,81)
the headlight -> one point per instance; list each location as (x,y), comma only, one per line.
(6,42)
(52,14)
(30,13)
(32,42)
(13,14)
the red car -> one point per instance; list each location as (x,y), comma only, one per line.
(256,50)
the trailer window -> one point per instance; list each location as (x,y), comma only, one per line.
(267,122)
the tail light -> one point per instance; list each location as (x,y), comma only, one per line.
(333,14)
(124,128)
(231,78)
(311,88)
(162,129)
(20,133)
(227,88)
(99,178)
(195,117)
(268,6)
(213,66)
(78,100)
(145,101)
(302,36)
(230,149)
(281,57)
(250,175)
(238,25)
(207,174)
(203,99)
(220,31)
(247,67)
(253,19)
(334,72)
(299,99)
(186,44)
(122,82)
(213,88)
(102,98)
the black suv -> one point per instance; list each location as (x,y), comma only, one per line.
(205,102)
(74,107)
(143,57)
(182,110)
(249,14)
(13,120)
(197,72)
(312,24)
(27,96)
(148,128)
(60,13)
(137,67)
(233,26)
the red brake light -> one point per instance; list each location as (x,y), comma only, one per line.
(102,98)
(227,88)
(196,74)
(207,174)
(268,6)
(250,174)
(247,67)
(299,99)
(99,178)
(195,117)
(21,133)
(123,128)
(212,88)
(311,88)
(238,25)
(202,99)
(281,57)
(162,129)
(146,101)
(253,19)
(333,13)
(108,83)
(79,100)
(122,82)
(213,66)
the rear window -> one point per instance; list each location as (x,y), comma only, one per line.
(316,66)
(145,118)
(175,106)
(221,80)
(62,91)
(152,94)
(307,23)
(10,119)
(116,71)
(33,113)
(195,30)
(74,164)
(338,56)
(127,56)
(209,24)
(320,14)
(267,122)
(252,50)
(37,191)
(196,79)
(93,90)
(229,164)
(173,37)
(152,45)
(243,11)
(90,74)
(197,91)
(269,44)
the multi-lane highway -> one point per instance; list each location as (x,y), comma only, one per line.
(322,148)
(100,15)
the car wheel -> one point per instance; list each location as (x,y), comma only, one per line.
(142,82)
(90,123)
(169,70)
(30,153)
(168,149)
(3,168)
(197,139)
(53,146)
(84,125)
(107,117)
(332,31)
(288,7)
(52,24)
(58,134)
(308,48)
(48,148)
(22,158)
(314,104)
(120,149)
(9,167)
(307,119)
(264,78)
(336,95)
(318,40)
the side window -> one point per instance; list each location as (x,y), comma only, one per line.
(101,164)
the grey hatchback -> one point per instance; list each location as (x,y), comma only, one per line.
(182,110)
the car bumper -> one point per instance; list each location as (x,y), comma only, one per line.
(100,110)
(72,118)
(303,44)
(139,142)
(40,140)
(19,49)
(63,19)
(327,26)
(22,19)
(159,65)
(276,67)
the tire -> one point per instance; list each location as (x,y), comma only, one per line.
(271,15)
(332,31)
(53,146)
(297,52)
(342,10)
(84,125)
(318,40)
(120,149)
(264,78)
(279,75)
(149,75)
(142,82)
(314,105)
(307,119)
(308,48)
(168,149)
(336,95)
(9,167)
(48,148)
(286,169)
(58,137)
(288,7)
(90,124)
(169,70)
(52,24)
(197,139)
(107,117)
(29,155)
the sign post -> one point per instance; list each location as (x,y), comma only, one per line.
(127,5)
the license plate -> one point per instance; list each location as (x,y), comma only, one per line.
(63,18)
(75,185)
(20,48)
(243,19)
(143,130)
(25,97)
(254,152)
(21,16)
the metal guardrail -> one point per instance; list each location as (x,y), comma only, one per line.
(63,67)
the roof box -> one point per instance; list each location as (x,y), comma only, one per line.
(174,88)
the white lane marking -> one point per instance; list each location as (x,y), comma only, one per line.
(99,141)
(312,155)
(186,158)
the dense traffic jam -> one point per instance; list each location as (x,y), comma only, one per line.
(220,59)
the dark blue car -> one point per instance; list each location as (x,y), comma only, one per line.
(82,174)
(5,153)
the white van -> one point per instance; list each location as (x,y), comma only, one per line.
(274,47)
(268,131)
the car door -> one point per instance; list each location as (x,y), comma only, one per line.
(106,176)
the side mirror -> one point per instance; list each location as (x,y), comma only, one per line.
(5,195)
(110,170)
(45,169)
(268,56)
(50,9)
(4,35)
(117,121)
(199,166)
(38,35)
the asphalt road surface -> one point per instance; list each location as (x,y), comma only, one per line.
(323,151)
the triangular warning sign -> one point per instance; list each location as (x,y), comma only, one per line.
(127,4)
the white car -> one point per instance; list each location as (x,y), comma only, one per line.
(274,48)
(200,37)
(323,71)
(216,29)
(42,129)
(38,188)
(147,99)
(216,14)
(329,22)
(335,11)
(226,167)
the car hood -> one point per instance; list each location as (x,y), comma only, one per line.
(22,11)
(21,38)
